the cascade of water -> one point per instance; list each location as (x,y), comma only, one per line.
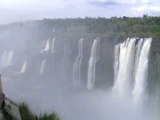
(10,58)
(47,47)
(116,61)
(94,57)
(124,67)
(63,75)
(131,67)
(141,72)
(24,66)
(42,68)
(77,65)
(53,45)
(138,51)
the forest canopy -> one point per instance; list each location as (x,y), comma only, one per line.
(118,28)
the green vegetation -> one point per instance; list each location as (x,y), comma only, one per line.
(46,116)
(114,28)
(118,28)
(121,27)
(27,114)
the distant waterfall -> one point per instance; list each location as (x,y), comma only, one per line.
(116,61)
(53,45)
(77,65)
(24,66)
(42,67)
(10,58)
(141,72)
(94,57)
(6,59)
(131,68)
(50,45)
(47,47)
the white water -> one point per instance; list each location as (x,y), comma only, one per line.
(6,59)
(141,72)
(138,52)
(94,57)
(10,58)
(92,105)
(63,75)
(53,45)
(124,73)
(24,66)
(47,47)
(42,67)
(116,61)
(77,65)
(131,69)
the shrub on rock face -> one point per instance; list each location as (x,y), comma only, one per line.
(46,116)
(27,114)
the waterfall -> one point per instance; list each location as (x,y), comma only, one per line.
(131,68)
(42,67)
(141,72)
(6,59)
(125,61)
(63,66)
(47,47)
(10,58)
(116,59)
(94,57)
(77,65)
(24,66)
(138,51)
(53,45)
(65,74)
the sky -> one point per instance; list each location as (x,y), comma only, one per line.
(21,10)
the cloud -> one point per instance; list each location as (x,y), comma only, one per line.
(118,2)
(103,3)
(17,10)
(155,8)
(120,7)
(125,8)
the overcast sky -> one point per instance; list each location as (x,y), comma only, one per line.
(20,10)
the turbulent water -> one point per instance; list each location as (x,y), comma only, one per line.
(74,78)
(47,47)
(53,45)
(124,67)
(77,65)
(94,57)
(24,66)
(131,68)
(141,72)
